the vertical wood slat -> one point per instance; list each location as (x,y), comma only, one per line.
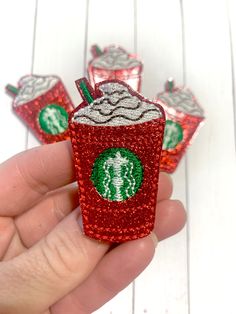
(112,22)
(59,44)
(211,159)
(231,14)
(16,33)
(162,288)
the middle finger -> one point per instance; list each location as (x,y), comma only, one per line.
(44,216)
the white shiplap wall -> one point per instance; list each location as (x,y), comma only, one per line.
(194,41)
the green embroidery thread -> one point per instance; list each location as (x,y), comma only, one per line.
(53,119)
(12,89)
(173,134)
(86,92)
(98,50)
(117,174)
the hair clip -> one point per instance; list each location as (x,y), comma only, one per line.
(43,103)
(183,118)
(116,136)
(115,63)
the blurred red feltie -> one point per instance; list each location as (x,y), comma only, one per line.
(183,118)
(43,103)
(115,63)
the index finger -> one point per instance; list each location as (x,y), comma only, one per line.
(28,176)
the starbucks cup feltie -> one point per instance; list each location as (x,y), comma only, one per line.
(115,63)
(43,103)
(116,136)
(183,118)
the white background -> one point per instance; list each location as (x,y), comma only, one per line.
(195,42)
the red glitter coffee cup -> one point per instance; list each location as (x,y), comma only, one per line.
(43,103)
(115,63)
(116,137)
(183,118)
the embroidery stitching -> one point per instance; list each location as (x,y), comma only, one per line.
(173,134)
(117,174)
(53,119)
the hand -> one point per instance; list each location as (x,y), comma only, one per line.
(47,264)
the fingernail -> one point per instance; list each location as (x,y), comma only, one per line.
(154,239)
(179,202)
(168,176)
(80,222)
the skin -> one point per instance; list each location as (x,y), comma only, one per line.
(47,264)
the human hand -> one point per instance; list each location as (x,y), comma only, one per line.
(47,264)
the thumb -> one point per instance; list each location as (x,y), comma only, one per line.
(33,281)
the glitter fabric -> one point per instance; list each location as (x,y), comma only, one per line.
(115,63)
(43,103)
(122,160)
(117,107)
(183,117)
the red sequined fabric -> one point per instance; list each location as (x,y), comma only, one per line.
(29,112)
(170,158)
(118,221)
(188,119)
(131,76)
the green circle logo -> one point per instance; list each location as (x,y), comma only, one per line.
(173,134)
(117,174)
(53,119)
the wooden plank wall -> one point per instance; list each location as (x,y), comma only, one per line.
(193,41)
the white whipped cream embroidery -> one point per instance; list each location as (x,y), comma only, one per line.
(115,58)
(116,107)
(183,101)
(33,86)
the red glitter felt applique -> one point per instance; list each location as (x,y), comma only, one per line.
(43,103)
(116,136)
(115,63)
(183,118)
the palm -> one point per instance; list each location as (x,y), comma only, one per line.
(9,234)
(22,231)
(37,193)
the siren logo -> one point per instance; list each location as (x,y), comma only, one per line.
(53,119)
(117,174)
(173,134)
